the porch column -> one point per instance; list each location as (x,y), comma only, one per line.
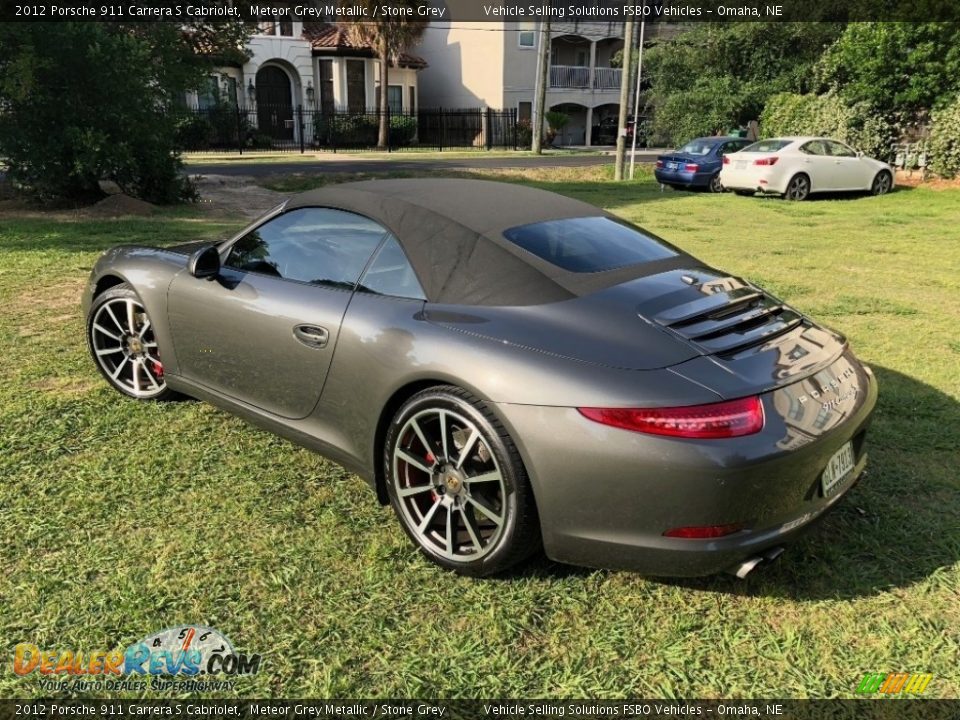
(593,62)
(588,138)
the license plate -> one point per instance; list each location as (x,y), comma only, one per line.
(740,164)
(838,469)
(672,166)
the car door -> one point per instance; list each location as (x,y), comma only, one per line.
(847,166)
(264,331)
(818,164)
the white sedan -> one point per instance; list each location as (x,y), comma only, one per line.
(794,167)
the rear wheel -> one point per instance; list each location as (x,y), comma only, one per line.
(123,346)
(457,484)
(715,185)
(881,183)
(798,188)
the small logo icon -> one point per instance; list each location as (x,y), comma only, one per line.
(895,683)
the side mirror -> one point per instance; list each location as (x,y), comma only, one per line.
(205,262)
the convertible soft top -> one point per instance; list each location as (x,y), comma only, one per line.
(452,231)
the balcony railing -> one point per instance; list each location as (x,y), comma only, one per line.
(605,78)
(578,77)
(569,76)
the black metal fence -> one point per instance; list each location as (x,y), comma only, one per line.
(231,128)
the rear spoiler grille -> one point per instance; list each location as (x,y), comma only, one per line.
(732,316)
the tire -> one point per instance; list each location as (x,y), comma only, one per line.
(715,186)
(745,193)
(798,189)
(457,484)
(127,357)
(881,183)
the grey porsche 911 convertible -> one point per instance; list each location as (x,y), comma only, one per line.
(508,368)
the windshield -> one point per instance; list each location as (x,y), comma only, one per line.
(589,244)
(764,146)
(697,147)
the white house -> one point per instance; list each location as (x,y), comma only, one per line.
(313,65)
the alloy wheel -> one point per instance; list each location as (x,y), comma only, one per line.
(881,184)
(799,188)
(122,341)
(449,485)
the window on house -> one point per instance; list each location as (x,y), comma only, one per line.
(208,93)
(286,28)
(395,98)
(413,99)
(229,85)
(526,35)
(356,86)
(326,86)
(525,111)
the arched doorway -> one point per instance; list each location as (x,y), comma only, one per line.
(274,103)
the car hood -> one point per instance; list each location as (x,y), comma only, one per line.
(719,331)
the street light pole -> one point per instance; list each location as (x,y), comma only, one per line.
(636,99)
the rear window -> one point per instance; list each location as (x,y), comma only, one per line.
(698,147)
(590,244)
(767,146)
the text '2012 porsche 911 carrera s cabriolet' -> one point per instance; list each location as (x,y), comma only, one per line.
(508,368)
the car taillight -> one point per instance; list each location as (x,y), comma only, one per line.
(732,418)
(726,160)
(704,531)
(691,167)
(659,163)
(772,160)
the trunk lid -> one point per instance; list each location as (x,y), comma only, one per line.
(719,331)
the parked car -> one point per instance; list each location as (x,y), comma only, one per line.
(506,367)
(697,164)
(795,167)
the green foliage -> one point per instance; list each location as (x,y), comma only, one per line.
(830,115)
(362,130)
(944,142)
(84,102)
(900,68)
(215,127)
(720,75)
(556,120)
(524,134)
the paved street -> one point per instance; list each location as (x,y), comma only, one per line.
(336,165)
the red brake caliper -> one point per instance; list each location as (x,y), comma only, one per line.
(157,368)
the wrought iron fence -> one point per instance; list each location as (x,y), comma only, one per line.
(231,128)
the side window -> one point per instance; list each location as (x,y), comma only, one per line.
(312,245)
(390,273)
(729,147)
(814,147)
(839,149)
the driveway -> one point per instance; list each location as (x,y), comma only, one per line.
(336,165)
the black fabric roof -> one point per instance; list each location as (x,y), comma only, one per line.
(452,231)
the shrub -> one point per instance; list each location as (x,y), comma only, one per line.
(859,124)
(524,134)
(361,130)
(944,142)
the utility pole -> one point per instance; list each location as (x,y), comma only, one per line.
(624,98)
(636,98)
(540,101)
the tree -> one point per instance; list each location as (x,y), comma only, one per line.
(86,101)
(388,38)
(718,75)
(898,68)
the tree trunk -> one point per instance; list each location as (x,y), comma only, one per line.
(540,101)
(383,135)
(624,100)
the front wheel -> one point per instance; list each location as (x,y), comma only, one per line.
(881,183)
(798,188)
(123,346)
(457,484)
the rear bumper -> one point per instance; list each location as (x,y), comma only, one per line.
(607,496)
(680,177)
(770,180)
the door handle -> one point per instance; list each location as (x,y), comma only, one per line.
(311,335)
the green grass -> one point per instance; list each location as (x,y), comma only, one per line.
(118,519)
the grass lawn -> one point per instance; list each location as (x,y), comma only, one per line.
(118,519)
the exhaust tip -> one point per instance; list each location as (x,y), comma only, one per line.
(750,564)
